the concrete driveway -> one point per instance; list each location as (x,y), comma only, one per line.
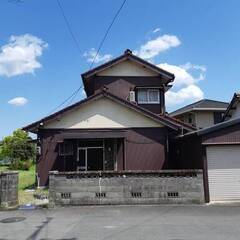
(123,222)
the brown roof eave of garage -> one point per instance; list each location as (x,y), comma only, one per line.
(214,128)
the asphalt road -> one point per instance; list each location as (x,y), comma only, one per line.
(123,222)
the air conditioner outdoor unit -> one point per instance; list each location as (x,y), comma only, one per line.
(39,150)
(132,96)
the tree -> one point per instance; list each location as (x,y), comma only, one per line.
(18,148)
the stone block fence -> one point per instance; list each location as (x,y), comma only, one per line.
(126,187)
(8,189)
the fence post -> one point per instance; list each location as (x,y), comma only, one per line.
(52,190)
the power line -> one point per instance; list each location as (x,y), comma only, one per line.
(68,26)
(74,94)
(106,33)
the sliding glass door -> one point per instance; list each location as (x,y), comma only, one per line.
(90,159)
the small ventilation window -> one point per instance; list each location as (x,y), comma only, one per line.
(66,195)
(100,194)
(136,194)
(173,194)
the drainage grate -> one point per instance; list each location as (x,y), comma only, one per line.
(66,195)
(12,219)
(136,194)
(100,194)
(173,194)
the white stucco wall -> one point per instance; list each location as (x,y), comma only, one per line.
(236,112)
(102,113)
(127,68)
(204,119)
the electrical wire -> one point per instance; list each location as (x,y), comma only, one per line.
(107,31)
(69,26)
(74,94)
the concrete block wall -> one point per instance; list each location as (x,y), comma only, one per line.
(8,189)
(127,187)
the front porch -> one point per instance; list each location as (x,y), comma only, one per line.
(98,154)
(81,150)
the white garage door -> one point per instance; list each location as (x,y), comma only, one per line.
(224,172)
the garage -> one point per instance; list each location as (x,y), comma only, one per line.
(217,151)
(223,163)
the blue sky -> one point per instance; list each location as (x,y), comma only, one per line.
(40,65)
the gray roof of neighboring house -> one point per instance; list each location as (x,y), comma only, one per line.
(204,104)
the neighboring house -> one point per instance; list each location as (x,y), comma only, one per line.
(121,125)
(233,110)
(201,114)
(216,149)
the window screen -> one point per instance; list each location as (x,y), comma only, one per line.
(153,96)
(142,95)
(66,149)
(148,96)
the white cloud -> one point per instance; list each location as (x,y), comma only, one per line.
(185,74)
(155,46)
(185,88)
(188,94)
(21,55)
(182,77)
(189,66)
(18,101)
(156,30)
(90,55)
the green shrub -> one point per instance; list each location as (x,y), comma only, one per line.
(20,165)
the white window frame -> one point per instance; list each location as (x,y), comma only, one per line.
(148,99)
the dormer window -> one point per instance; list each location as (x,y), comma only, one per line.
(148,96)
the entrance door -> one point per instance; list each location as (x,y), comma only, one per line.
(94,159)
(90,159)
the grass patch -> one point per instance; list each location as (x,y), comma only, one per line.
(26,181)
(26,177)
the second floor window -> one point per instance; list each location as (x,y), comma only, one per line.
(148,96)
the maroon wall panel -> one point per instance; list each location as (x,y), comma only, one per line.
(121,86)
(144,150)
(227,135)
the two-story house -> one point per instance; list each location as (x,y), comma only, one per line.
(121,125)
(201,114)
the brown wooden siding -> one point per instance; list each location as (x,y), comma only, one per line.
(142,149)
(186,153)
(145,149)
(121,86)
(156,108)
(228,135)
